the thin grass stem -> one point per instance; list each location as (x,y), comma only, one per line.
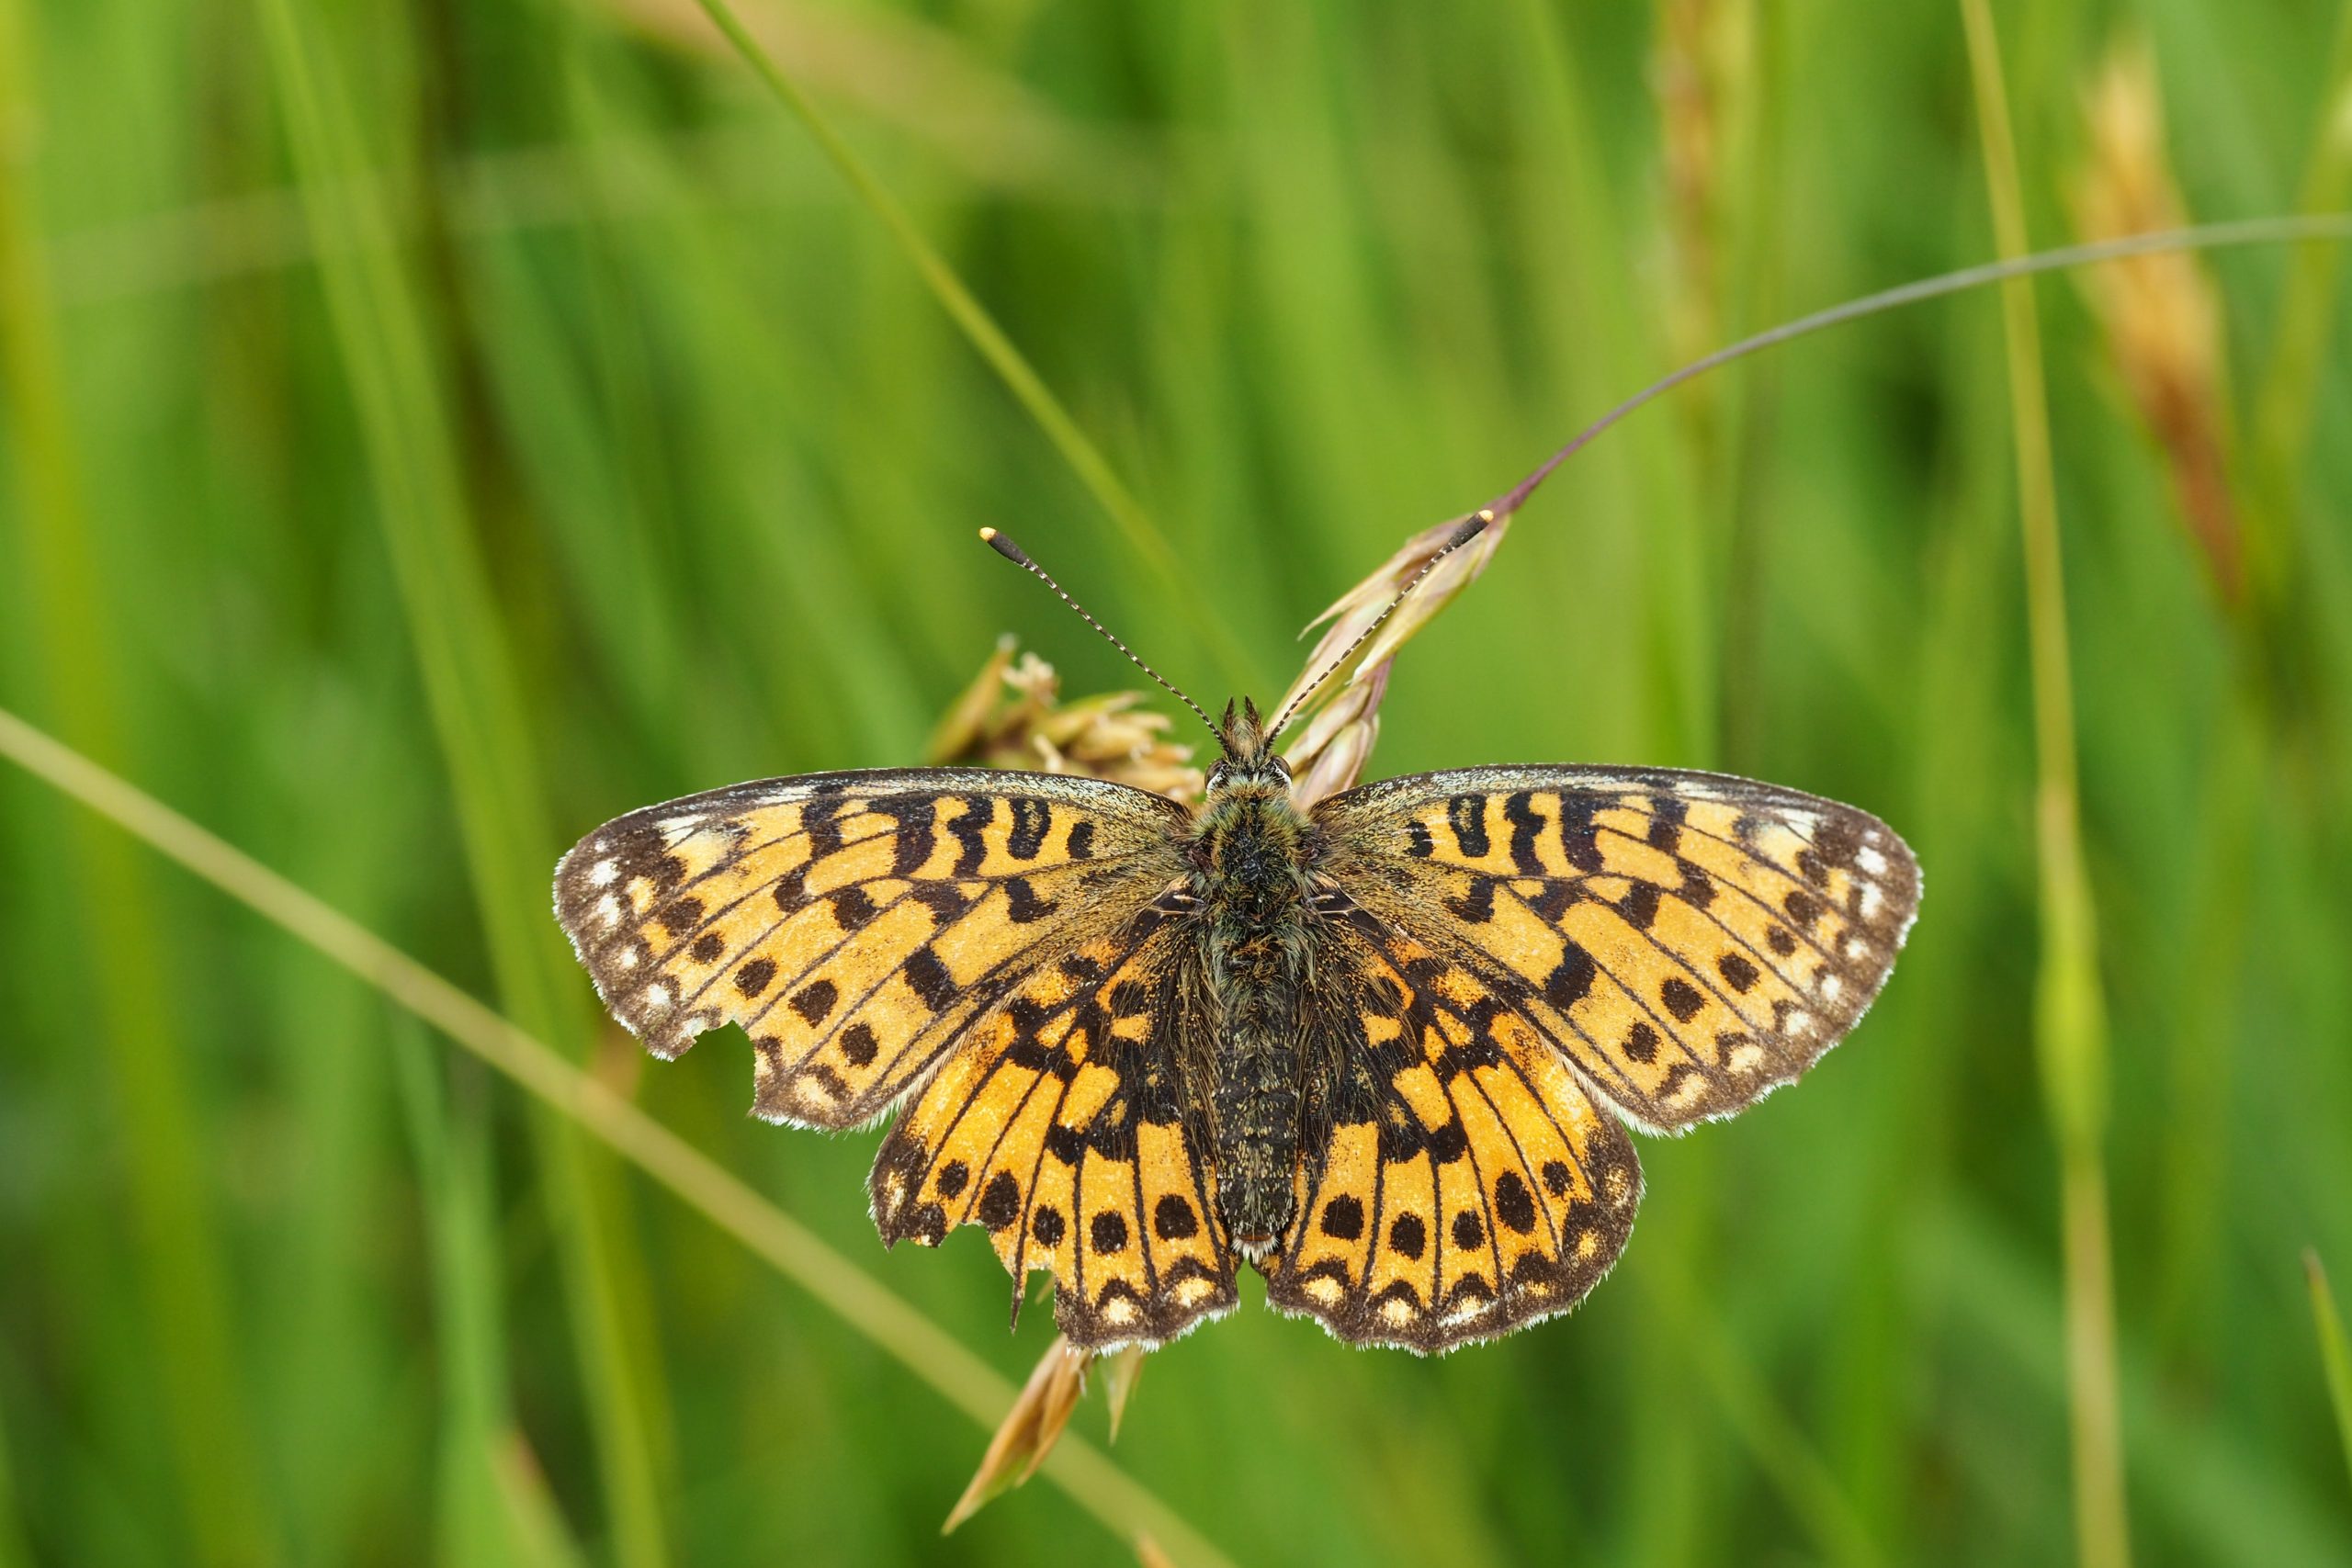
(1092,1480)
(2070,1023)
(2307,229)
(973,319)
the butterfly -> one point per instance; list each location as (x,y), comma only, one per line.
(1385,1049)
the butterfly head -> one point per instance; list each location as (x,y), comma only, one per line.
(1248,760)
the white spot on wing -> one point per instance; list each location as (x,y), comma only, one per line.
(603,872)
(1871,861)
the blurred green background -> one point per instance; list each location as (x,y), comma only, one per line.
(435,426)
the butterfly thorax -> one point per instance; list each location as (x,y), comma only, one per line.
(1251,853)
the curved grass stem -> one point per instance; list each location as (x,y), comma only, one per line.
(2310,230)
(1092,1480)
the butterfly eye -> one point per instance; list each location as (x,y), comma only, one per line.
(1217,774)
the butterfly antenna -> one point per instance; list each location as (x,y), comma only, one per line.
(1020,558)
(1469,530)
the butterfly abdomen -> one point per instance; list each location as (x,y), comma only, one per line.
(1250,878)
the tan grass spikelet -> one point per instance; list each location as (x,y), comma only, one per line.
(2160,313)
(1029,1429)
(1685,79)
(1011,715)
(1344,710)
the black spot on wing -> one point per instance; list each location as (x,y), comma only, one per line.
(1571,979)
(929,978)
(970,829)
(916,834)
(1681,998)
(1000,1202)
(816,1000)
(819,819)
(1467,815)
(1022,903)
(1032,819)
(791,891)
(1579,838)
(1526,822)
(1477,903)
(1514,1205)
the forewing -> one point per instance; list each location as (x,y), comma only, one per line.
(1691,940)
(1458,1181)
(852,923)
(1060,1128)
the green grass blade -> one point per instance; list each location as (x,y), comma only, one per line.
(482,723)
(2335,1352)
(489,1513)
(1780,1448)
(955,1374)
(181,1260)
(1085,459)
(2221,1504)
(14,1551)
(2289,389)
(2070,1026)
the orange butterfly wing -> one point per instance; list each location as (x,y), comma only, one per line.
(1691,940)
(854,924)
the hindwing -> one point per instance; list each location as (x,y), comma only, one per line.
(1458,1181)
(1063,1127)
